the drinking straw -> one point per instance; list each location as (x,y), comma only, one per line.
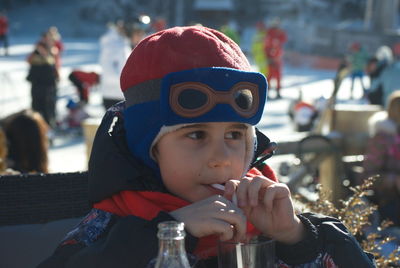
(239,257)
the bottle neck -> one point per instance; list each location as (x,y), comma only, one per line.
(171,237)
(171,247)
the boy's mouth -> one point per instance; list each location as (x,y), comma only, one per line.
(216,189)
(221,187)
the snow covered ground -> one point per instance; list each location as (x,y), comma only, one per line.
(68,153)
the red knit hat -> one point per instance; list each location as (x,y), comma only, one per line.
(180,48)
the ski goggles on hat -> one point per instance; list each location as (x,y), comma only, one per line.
(212,95)
(192,99)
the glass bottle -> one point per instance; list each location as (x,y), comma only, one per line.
(171,253)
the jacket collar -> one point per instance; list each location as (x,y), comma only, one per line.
(112,167)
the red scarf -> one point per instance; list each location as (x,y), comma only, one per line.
(147,205)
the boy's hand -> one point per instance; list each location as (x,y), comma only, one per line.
(268,206)
(214,215)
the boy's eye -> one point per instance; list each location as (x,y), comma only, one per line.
(196,135)
(235,135)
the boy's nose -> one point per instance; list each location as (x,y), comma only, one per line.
(219,157)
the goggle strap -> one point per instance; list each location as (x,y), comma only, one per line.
(144,92)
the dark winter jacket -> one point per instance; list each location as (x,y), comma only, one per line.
(103,239)
(42,69)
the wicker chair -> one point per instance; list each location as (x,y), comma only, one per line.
(36,211)
(41,198)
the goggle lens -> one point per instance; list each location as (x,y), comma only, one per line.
(244,99)
(192,99)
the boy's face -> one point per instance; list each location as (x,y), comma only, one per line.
(196,156)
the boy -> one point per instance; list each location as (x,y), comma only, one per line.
(188,123)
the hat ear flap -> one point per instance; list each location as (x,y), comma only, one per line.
(265,148)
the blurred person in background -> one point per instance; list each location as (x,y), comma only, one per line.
(137,28)
(43,76)
(273,47)
(27,142)
(136,35)
(83,81)
(389,78)
(58,44)
(4,169)
(257,48)
(114,51)
(376,64)
(76,115)
(357,59)
(382,157)
(4,32)
(159,24)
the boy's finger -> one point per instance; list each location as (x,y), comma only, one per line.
(254,189)
(276,191)
(230,191)
(230,188)
(268,181)
(242,192)
(234,217)
(223,229)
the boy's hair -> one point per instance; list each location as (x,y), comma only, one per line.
(186,75)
